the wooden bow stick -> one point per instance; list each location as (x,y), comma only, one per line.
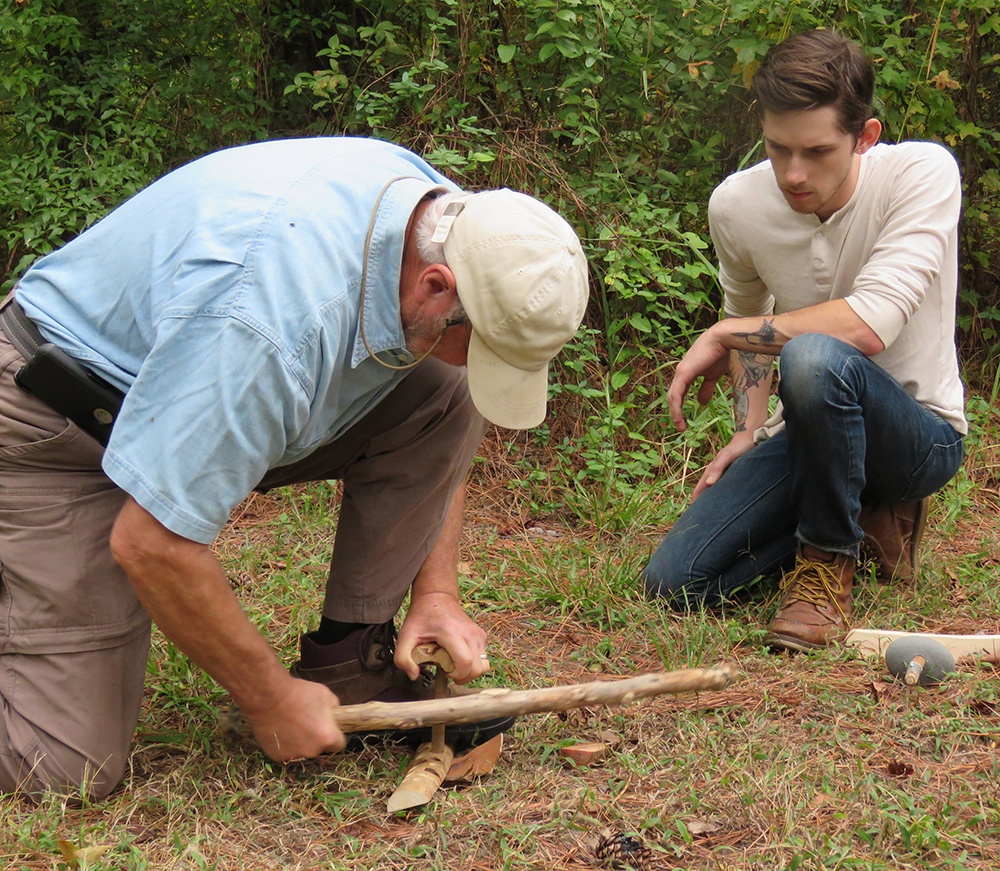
(500,702)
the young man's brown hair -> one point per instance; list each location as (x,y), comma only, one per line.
(813,70)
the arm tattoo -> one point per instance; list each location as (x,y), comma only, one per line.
(755,369)
(764,337)
(741,408)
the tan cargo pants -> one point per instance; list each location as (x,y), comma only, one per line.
(74,639)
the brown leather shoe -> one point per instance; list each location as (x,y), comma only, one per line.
(816,601)
(361,669)
(893,531)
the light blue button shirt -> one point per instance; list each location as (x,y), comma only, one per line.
(225,299)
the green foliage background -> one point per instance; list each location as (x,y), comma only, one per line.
(621,114)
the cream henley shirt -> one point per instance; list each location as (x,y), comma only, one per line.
(891,252)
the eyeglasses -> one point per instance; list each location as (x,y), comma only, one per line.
(461,321)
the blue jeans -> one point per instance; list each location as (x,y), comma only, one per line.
(852,434)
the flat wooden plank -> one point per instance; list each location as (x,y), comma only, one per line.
(873,642)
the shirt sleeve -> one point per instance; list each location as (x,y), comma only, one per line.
(212,409)
(918,217)
(744,292)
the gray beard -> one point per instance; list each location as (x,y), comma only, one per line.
(418,335)
(426,330)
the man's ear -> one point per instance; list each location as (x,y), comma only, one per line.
(869,135)
(436,286)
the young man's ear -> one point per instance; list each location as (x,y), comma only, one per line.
(869,135)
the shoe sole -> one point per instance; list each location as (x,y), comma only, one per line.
(460,737)
(788,642)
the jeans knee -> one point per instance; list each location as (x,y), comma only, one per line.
(678,592)
(808,363)
(810,354)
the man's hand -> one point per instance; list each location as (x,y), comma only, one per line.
(301,725)
(439,617)
(740,444)
(707,358)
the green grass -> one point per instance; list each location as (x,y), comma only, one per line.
(807,763)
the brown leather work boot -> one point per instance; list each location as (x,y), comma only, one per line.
(816,601)
(893,531)
(360,668)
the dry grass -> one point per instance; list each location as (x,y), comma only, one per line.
(808,762)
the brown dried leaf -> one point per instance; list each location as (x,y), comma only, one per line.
(701,827)
(478,761)
(879,689)
(899,769)
(943,81)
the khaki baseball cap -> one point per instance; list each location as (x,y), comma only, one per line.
(521,276)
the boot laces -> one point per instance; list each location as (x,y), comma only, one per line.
(816,583)
(376,645)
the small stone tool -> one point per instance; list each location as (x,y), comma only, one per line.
(919,660)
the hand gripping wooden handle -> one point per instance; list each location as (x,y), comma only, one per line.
(488,703)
